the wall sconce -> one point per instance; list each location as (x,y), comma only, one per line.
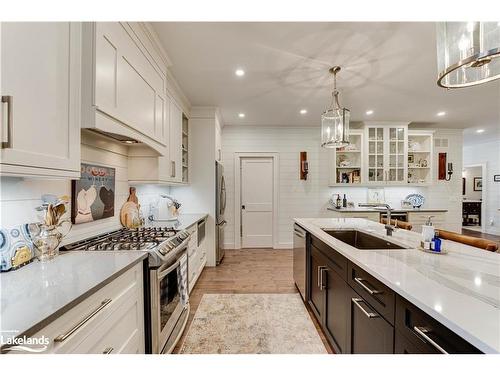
(450,172)
(304,166)
(444,172)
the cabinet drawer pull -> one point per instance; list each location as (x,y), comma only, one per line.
(321,273)
(10,120)
(107,350)
(320,268)
(370,315)
(64,336)
(421,331)
(299,234)
(172,168)
(359,280)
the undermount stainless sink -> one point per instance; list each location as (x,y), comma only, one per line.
(361,240)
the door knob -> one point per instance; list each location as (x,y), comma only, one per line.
(242,206)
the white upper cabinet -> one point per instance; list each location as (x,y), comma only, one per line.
(420,157)
(175,142)
(346,163)
(387,154)
(40,82)
(127,84)
(147,167)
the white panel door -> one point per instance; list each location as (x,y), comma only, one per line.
(40,87)
(257,202)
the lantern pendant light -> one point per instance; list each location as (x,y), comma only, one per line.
(468,53)
(335,120)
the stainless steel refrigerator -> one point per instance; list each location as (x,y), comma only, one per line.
(220,199)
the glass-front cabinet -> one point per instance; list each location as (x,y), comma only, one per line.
(346,163)
(387,147)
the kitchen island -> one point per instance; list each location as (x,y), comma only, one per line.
(459,290)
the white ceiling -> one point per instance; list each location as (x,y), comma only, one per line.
(389,68)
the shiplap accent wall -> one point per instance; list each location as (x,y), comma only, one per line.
(298,198)
(20,196)
(488,153)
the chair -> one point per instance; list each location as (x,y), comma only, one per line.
(468,240)
(398,224)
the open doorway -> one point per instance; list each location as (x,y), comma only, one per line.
(472,194)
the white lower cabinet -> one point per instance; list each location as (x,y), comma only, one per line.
(110,321)
(40,84)
(197,256)
(373,216)
(417,219)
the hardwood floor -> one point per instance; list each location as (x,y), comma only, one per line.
(474,233)
(248,271)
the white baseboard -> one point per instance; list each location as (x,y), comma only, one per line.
(492,231)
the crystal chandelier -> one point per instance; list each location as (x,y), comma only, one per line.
(468,53)
(335,120)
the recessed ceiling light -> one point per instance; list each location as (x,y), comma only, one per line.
(442,113)
(129,142)
(480,131)
(241,115)
(239,72)
(303,111)
(370,112)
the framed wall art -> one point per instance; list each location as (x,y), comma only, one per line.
(478,184)
(93,195)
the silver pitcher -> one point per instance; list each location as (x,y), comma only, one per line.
(47,238)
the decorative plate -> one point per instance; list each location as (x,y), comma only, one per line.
(416,200)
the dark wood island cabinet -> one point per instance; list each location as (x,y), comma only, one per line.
(361,315)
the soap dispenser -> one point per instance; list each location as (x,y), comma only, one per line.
(428,230)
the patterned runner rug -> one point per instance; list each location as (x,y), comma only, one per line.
(252,324)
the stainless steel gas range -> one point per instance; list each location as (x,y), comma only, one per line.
(165,278)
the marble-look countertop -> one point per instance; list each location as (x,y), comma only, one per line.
(395,210)
(460,289)
(183,221)
(38,293)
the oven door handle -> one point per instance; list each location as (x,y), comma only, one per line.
(162,274)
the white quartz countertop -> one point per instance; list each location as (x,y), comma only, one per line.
(186,220)
(38,293)
(460,289)
(183,221)
(395,210)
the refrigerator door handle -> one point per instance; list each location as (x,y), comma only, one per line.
(223,195)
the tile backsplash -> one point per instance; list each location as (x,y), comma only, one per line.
(20,196)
